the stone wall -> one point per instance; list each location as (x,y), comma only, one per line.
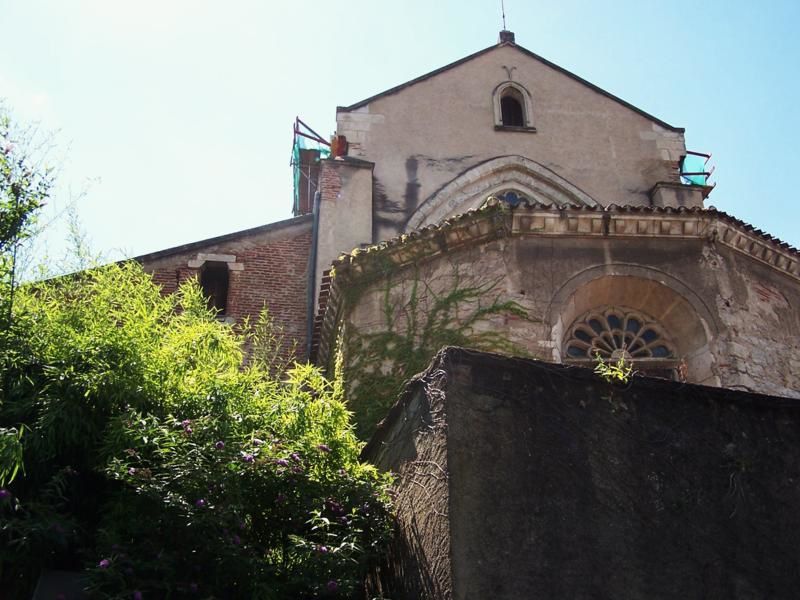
(560,485)
(730,316)
(423,136)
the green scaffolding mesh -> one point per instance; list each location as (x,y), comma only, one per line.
(693,169)
(303,143)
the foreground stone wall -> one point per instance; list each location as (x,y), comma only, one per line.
(559,485)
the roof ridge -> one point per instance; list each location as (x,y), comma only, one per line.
(552,65)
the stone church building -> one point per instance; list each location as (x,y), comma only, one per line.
(505,172)
(504,204)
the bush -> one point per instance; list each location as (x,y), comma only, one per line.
(158,463)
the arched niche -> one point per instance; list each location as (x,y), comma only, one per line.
(685,318)
(471,188)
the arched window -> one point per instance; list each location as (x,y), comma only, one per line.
(214,283)
(620,332)
(513,107)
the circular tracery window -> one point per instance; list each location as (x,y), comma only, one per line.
(618,333)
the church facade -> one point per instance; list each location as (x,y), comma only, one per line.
(505,203)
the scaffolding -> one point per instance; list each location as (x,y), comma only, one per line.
(695,169)
(308,148)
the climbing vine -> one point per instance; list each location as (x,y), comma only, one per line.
(419,314)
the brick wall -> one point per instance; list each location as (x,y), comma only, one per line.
(330,181)
(271,269)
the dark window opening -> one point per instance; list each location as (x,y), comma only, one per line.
(214,283)
(511,111)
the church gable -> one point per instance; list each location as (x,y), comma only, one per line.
(505,101)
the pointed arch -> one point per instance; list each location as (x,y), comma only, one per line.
(469,189)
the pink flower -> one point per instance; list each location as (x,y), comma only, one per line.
(104,564)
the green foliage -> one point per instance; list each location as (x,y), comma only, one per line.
(24,184)
(24,188)
(613,372)
(268,346)
(10,454)
(417,321)
(154,459)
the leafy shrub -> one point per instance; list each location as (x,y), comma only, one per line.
(154,460)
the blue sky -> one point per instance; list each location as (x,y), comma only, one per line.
(175,116)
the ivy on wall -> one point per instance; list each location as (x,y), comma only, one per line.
(419,314)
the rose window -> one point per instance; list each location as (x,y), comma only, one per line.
(618,333)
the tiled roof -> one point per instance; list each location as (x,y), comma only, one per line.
(236,235)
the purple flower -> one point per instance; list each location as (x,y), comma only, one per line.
(200,503)
(104,564)
(324,448)
(193,587)
(219,445)
(295,457)
(185,423)
(247,457)
(258,442)
(236,540)
(322,549)
(132,471)
(137,595)
(333,585)
(4,494)
(282,462)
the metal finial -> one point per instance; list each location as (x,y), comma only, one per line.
(503,11)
